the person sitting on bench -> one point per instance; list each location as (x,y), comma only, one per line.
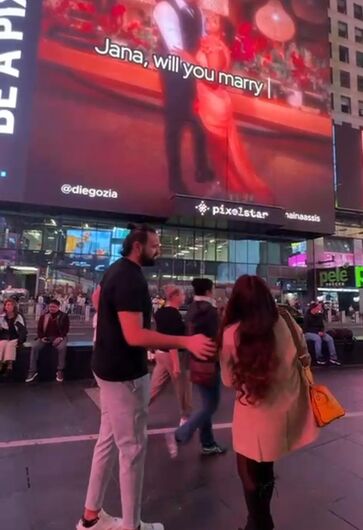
(12,334)
(53,328)
(314,330)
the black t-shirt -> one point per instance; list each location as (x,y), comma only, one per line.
(123,288)
(169,321)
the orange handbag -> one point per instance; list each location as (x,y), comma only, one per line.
(326,408)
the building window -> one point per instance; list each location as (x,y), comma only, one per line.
(358,35)
(360,108)
(360,83)
(342,6)
(345,104)
(332,101)
(359,58)
(358,11)
(344,79)
(344,54)
(343,30)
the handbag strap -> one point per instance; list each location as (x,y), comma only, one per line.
(301,352)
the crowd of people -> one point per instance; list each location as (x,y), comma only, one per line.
(249,347)
(252,351)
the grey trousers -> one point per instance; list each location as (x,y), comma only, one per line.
(123,431)
(163,373)
(37,348)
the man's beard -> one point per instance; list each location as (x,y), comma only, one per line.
(147,261)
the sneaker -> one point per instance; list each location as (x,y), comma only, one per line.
(171,444)
(105,522)
(213,450)
(335,362)
(60,376)
(321,363)
(31,377)
(151,526)
(183,421)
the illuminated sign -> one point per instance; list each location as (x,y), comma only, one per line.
(359,277)
(221,210)
(232,211)
(12,17)
(336,278)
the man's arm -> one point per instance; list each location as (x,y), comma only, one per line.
(136,335)
(167,21)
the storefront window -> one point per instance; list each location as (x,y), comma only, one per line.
(32,240)
(209,246)
(222,249)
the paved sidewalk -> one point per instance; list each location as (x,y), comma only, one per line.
(43,486)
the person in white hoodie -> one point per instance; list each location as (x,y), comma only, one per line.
(12,333)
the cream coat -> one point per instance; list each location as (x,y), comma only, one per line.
(284,421)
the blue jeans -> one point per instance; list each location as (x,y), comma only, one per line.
(318,343)
(202,419)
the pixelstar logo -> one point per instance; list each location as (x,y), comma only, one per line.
(12,18)
(220,210)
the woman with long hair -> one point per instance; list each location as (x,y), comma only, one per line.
(272,414)
(12,334)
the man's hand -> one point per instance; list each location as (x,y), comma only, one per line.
(201,347)
(321,333)
(57,341)
(176,372)
(45,339)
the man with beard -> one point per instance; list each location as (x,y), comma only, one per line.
(121,371)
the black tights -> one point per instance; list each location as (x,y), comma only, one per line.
(258,485)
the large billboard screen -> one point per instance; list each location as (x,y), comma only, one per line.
(139,100)
(349,166)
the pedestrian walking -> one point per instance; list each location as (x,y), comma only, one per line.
(171,365)
(202,317)
(121,370)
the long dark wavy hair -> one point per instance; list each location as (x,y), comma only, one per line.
(252,306)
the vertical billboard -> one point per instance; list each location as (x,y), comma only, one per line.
(19,26)
(139,100)
(349,166)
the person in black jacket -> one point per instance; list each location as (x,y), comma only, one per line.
(314,330)
(202,317)
(53,329)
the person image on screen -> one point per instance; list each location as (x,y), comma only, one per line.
(180,23)
(171,364)
(273,414)
(227,150)
(121,371)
